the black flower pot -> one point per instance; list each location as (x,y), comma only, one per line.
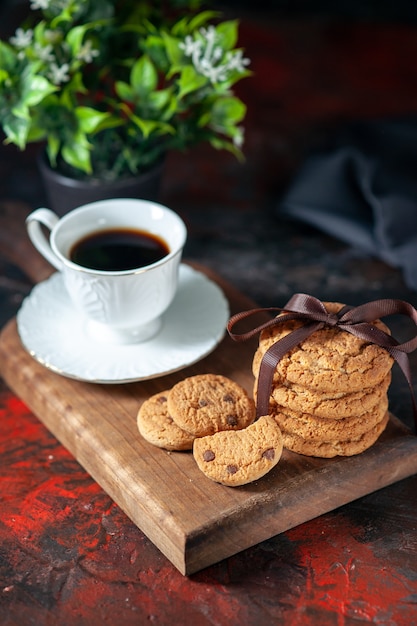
(65,193)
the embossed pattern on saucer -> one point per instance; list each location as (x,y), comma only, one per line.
(55,334)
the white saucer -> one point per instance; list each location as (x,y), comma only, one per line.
(54,333)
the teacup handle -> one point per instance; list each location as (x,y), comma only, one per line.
(47,218)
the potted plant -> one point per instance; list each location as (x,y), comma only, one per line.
(110,87)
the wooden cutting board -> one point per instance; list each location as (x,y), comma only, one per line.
(192,520)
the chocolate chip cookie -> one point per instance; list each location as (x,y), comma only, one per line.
(207,403)
(156,425)
(239,457)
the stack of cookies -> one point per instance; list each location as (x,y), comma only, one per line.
(215,417)
(329,393)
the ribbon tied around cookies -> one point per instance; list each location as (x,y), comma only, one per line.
(314,316)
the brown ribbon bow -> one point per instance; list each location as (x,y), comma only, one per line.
(354,320)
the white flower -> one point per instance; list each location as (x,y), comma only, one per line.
(207,57)
(44,53)
(22,38)
(235,61)
(58,74)
(87,52)
(191,46)
(39,4)
(215,74)
(217,53)
(209,35)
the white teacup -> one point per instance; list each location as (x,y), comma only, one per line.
(120,305)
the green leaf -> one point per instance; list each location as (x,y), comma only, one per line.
(89,119)
(33,89)
(143,77)
(201,19)
(77,153)
(16,130)
(8,56)
(65,15)
(171,110)
(35,133)
(160,99)
(21,111)
(3,76)
(180,28)
(53,147)
(124,91)
(146,126)
(173,50)
(76,84)
(228,32)
(190,81)
(39,31)
(66,97)
(151,126)
(75,37)
(228,111)
(36,88)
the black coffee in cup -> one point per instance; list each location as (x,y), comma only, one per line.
(118,249)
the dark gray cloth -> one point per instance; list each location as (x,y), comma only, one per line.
(362,189)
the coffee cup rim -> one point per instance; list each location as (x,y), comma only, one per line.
(103,204)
